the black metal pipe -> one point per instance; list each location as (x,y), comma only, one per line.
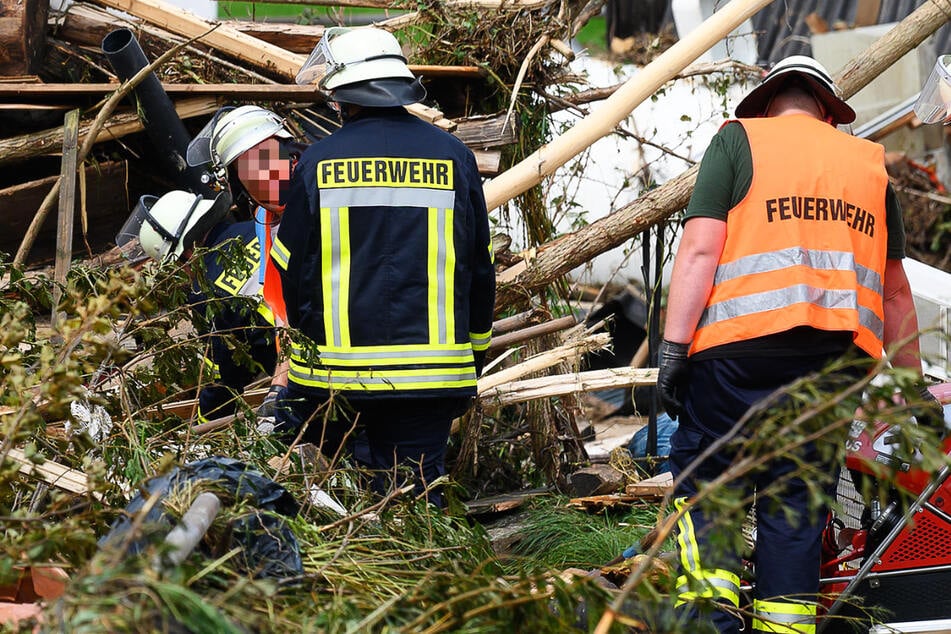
(156,111)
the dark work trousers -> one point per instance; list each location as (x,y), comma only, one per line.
(217,395)
(789,528)
(389,432)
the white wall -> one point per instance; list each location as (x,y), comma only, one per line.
(682,118)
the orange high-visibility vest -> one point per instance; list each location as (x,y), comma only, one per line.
(807,245)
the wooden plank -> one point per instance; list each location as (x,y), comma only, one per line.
(233,42)
(488,161)
(257,92)
(67,208)
(296,38)
(485,132)
(658,486)
(105,196)
(52,473)
(226,39)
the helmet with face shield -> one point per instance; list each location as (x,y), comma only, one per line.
(166,227)
(363,66)
(934,102)
(230,133)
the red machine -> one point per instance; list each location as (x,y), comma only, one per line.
(898,559)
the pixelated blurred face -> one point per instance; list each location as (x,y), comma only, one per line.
(265,171)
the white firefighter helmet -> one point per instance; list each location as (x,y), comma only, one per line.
(231,132)
(364,66)
(934,102)
(165,227)
(823,88)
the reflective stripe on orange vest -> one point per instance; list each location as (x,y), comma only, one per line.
(807,245)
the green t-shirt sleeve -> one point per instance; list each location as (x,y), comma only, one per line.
(895,225)
(725,174)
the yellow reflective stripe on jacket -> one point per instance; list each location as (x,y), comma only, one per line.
(784,617)
(378,380)
(480,340)
(397,355)
(279,253)
(441,266)
(335,273)
(708,584)
(214,371)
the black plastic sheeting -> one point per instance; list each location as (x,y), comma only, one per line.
(269,547)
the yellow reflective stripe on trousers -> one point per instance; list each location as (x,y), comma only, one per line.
(784,617)
(708,584)
(440,269)
(687,539)
(480,340)
(335,273)
(280,254)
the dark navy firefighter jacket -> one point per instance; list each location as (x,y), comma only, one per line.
(386,261)
(228,281)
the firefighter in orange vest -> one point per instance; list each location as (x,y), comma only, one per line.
(791,257)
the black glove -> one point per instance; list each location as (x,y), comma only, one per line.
(671,375)
(268,407)
(932,412)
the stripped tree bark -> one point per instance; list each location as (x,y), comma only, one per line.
(557,258)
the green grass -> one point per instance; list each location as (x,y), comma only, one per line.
(591,36)
(297,13)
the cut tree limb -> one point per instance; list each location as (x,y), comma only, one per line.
(562,384)
(557,258)
(566,352)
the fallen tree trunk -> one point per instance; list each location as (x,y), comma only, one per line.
(557,258)
(51,141)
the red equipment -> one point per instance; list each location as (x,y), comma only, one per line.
(898,559)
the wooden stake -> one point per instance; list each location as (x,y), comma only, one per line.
(67,208)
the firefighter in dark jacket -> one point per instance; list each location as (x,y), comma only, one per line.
(386,266)
(169,228)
